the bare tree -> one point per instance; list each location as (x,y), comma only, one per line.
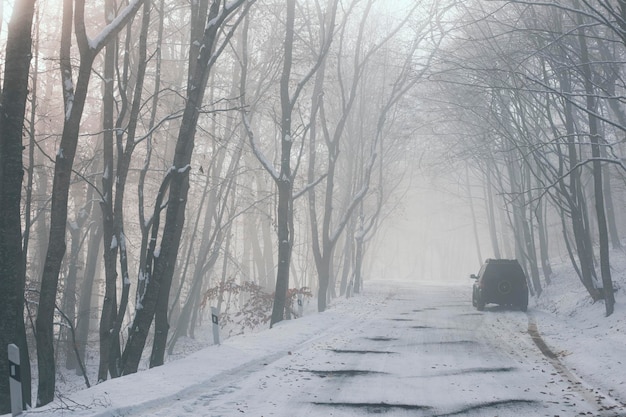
(156,297)
(328,226)
(74,99)
(285,176)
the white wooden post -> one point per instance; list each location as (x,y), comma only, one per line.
(15,385)
(216,327)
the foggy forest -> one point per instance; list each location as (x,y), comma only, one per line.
(158,158)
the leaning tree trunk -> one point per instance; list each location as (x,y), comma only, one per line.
(575,197)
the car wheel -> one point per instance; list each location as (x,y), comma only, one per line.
(504,287)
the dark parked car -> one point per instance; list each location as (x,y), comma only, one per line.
(500,281)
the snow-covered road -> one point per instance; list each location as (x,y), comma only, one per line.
(423,352)
(398,350)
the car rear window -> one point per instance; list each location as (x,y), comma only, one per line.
(510,270)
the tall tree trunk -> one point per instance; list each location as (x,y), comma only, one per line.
(109,303)
(284,182)
(594,137)
(13,104)
(25,368)
(144,225)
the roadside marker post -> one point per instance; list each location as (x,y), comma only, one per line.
(216,326)
(300,306)
(15,384)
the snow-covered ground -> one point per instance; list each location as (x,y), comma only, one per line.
(591,347)
(575,328)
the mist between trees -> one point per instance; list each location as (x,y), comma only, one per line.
(160,157)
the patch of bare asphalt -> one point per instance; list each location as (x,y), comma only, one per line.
(424,327)
(452,342)
(341,373)
(363,352)
(469,371)
(383,407)
(375,408)
(420,310)
(488,406)
(382,338)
